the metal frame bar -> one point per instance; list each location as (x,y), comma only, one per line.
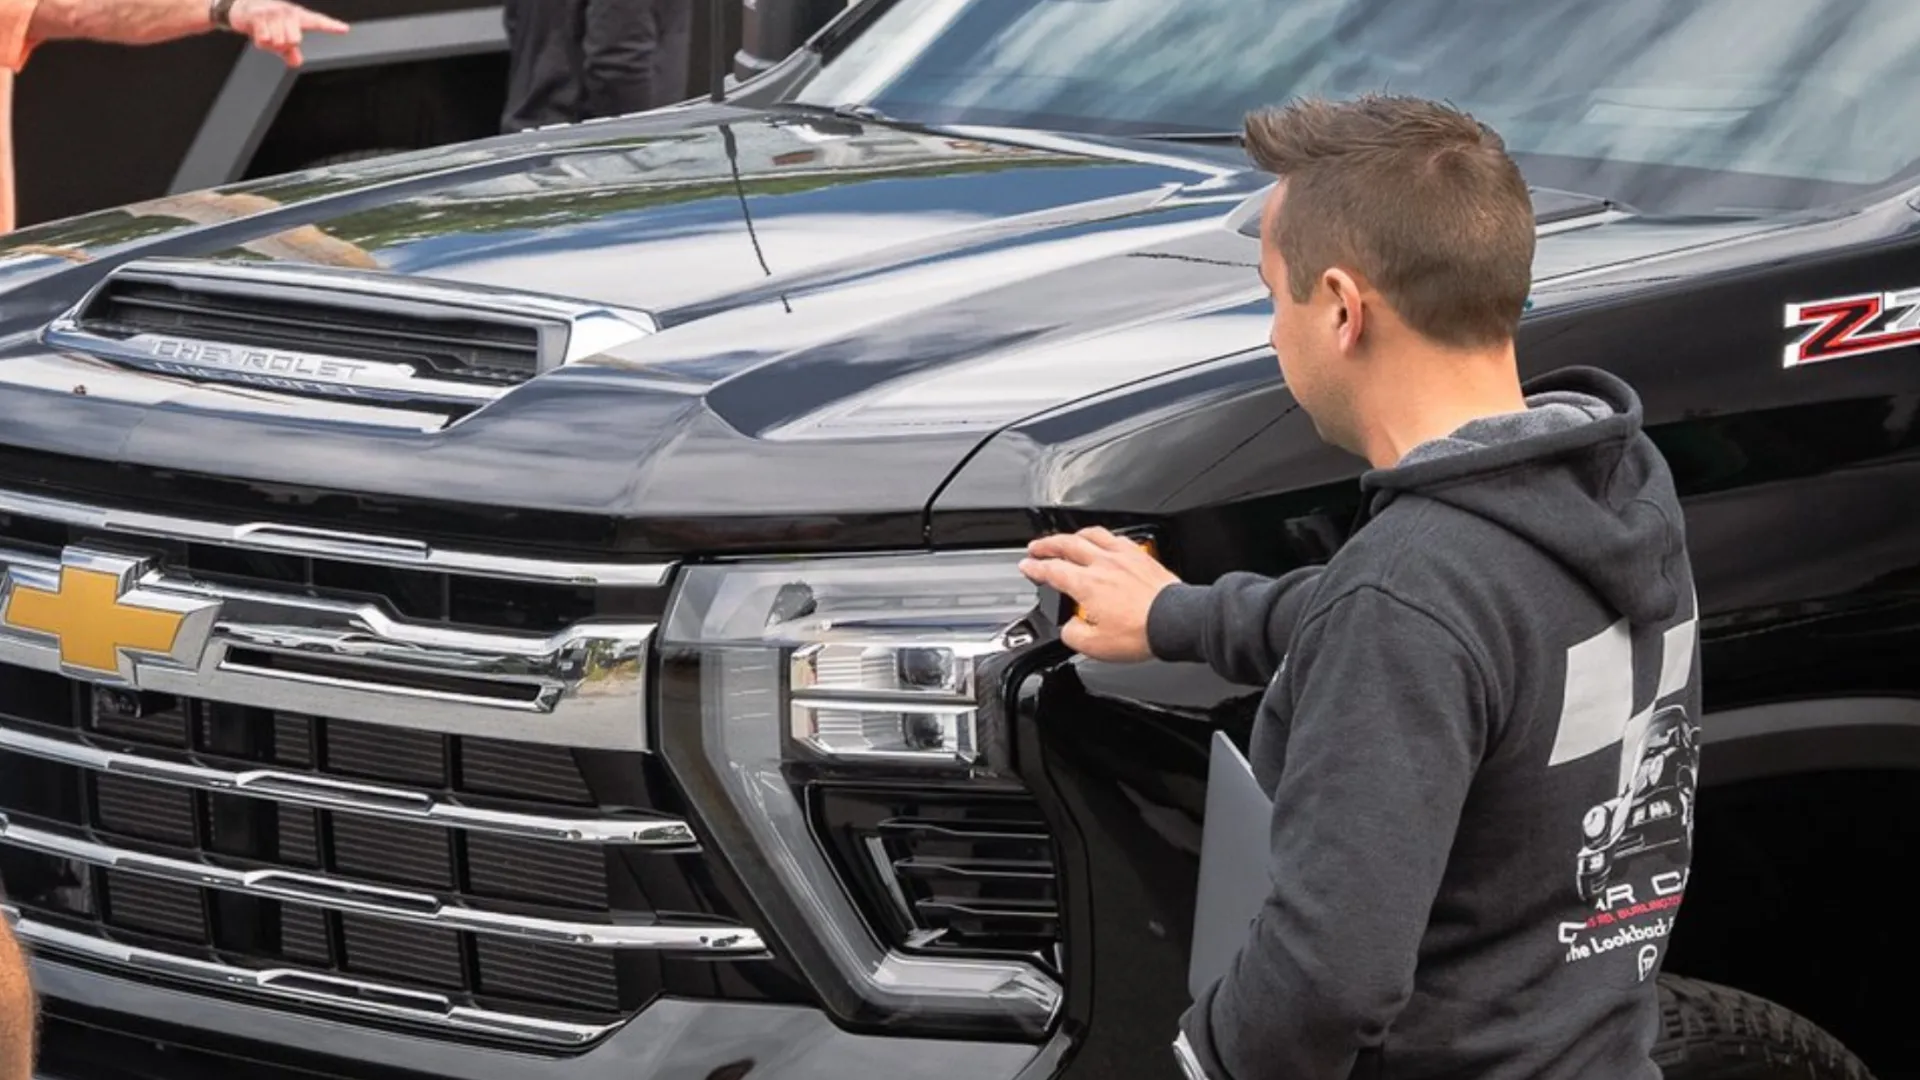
(354,796)
(259,84)
(306,987)
(391,904)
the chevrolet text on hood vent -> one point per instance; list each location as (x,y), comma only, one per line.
(370,337)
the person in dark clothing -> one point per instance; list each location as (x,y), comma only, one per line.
(573,60)
(1481,716)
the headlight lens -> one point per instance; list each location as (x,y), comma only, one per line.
(1595,823)
(774,674)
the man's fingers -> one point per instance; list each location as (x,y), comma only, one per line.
(313,20)
(1072,547)
(1051,546)
(1062,576)
(1077,635)
(1102,538)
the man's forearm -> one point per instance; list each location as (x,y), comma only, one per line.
(124,22)
(1240,625)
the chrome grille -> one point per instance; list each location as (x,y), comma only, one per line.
(271,836)
(312,649)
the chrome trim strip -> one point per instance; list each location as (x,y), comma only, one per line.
(370,800)
(307,987)
(335,544)
(399,905)
(295,370)
(332,544)
(583,687)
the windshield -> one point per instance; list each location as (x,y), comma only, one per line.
(1678,106)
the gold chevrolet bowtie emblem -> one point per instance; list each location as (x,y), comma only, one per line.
(88,611)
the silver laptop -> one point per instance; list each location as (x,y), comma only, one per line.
(1235,855)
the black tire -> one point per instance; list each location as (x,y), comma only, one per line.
(1710,1032)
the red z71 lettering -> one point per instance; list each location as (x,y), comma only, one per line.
(1852,325)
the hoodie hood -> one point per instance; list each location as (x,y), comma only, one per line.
(1571,476)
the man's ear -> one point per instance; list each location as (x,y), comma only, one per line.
(1349,311)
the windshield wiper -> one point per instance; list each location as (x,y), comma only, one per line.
(1555,204)
(1202,138)
(858,114)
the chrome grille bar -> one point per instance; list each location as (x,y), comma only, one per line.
(400,905)
(582,687)
(330,544)
(370,800)
(307,987)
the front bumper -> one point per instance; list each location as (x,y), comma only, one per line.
(88,1013)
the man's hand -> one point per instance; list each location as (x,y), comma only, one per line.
(1113,580)
(278,26)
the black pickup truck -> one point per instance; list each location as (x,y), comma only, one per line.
(546,607)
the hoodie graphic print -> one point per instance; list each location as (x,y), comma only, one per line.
(1481,735)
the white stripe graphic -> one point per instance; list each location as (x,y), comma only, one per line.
(1676,663)
(1599,697)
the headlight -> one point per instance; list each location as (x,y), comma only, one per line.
(1595,823)
(779,679)
(1650,771)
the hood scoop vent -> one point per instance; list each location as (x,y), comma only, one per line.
(367,337)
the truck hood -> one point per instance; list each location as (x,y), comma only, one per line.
(844,312)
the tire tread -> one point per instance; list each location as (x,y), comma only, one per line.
(1712,1032)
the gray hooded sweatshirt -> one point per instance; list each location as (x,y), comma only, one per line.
(1480,732)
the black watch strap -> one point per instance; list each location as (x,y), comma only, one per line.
(221,12)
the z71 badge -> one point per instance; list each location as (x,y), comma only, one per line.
(1852,325)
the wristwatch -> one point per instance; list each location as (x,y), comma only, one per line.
(221,12)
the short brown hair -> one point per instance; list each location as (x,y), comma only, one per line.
(1418,197)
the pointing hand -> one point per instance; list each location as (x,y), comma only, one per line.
(278,26)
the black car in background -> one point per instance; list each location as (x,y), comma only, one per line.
(546,606)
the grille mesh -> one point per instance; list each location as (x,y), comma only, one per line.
(561,974)
(537,772)
(405,953)
(509,873)
(303,934)
(516,869)
(160,907)
(413,757)
(148,811)
(391,851)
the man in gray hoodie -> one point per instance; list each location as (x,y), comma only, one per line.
(1480,723)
